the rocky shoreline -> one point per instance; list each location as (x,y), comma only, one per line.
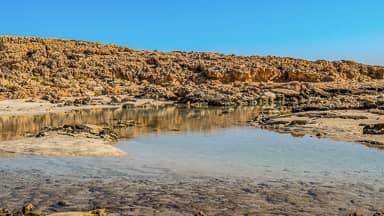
(62,75)
(360,126)
(349,125)
(341,100)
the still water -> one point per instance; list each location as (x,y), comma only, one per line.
(208,142)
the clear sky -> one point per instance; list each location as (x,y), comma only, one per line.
(310,29)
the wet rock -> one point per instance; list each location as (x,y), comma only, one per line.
(41,134)
(368,103)
(374,129)
(380,100)
(31,100)
(27,208)
(128,99)
(299,122)
(247,190)
(198,105)
(276,122)
(5,212)
(61,203)
(122,124)
(46,97)
(128,105)
(68,103)
(98,212)
(82,101)
(94,129)
(355,214)
(91,131)
(115,100)
(200,213)
(372,143)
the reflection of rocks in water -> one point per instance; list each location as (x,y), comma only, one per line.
(363,126)
(126,122)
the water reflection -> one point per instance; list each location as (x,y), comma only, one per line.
(146,120)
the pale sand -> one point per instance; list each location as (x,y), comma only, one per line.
(34,107)
(55,144)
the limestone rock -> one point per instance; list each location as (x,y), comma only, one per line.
(53,68)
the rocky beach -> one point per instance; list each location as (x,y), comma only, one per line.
(66,98)
(39,75)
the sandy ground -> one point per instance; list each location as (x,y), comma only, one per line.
(33,107)
(26,107)
(342,125)
(56,144)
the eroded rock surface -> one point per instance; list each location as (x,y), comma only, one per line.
(363,126)
(54,68)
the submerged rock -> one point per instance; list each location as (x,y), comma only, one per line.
(200,213)
(27,209)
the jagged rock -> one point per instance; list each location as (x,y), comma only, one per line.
(35,67)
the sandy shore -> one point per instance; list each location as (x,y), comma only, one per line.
(56,144)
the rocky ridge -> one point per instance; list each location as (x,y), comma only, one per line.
(54,68)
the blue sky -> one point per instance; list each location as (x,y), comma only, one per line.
(310,29)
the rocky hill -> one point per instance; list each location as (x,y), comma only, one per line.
(36,67)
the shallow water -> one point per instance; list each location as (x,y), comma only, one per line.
(259,153)
(202,142)
(175,143)
(240,152)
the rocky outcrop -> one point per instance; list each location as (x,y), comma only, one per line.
(362,126)
(36,67)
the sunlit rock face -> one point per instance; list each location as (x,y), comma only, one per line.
(35,67)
